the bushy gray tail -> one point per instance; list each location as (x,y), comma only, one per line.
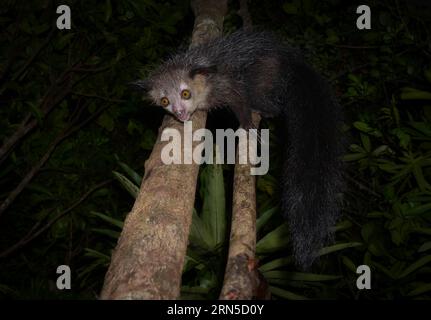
(312,167)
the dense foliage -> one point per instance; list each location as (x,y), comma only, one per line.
(82,138)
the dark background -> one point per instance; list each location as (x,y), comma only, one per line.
(75,170)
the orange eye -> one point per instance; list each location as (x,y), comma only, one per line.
(186,94)
(164,102)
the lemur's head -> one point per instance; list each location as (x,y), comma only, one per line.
(177,90)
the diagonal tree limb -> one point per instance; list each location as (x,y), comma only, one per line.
(242,279)
(148,260)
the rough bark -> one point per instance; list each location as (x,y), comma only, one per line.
(148,260)
(241,279)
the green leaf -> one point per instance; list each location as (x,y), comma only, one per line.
(276,264)
(379,151)
(136,178)
(414,94)
(402,136)
(104,217)
(354,156)
(299,276)
(127,184)
(420,179)
(266,184)
(189,263)
(366,142)
(349,264)
(419,290)
(96,254)
(214,207)
(274,241)
(425,247)
(416,211)
(338,247)
(200,235)
(107,232)
(286,294)
(357,149)
(264,218)
(106,121)
(362,126)
(108,10)
(413,267)
(400,229)
(40,189)
(373,236)
(422,127)
(378,266)
(343,225)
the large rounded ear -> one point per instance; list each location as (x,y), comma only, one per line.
(202,70)
(144,85)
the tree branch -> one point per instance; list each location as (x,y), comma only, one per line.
(241,279)
(148,260)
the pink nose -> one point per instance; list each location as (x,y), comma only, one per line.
(179,112)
